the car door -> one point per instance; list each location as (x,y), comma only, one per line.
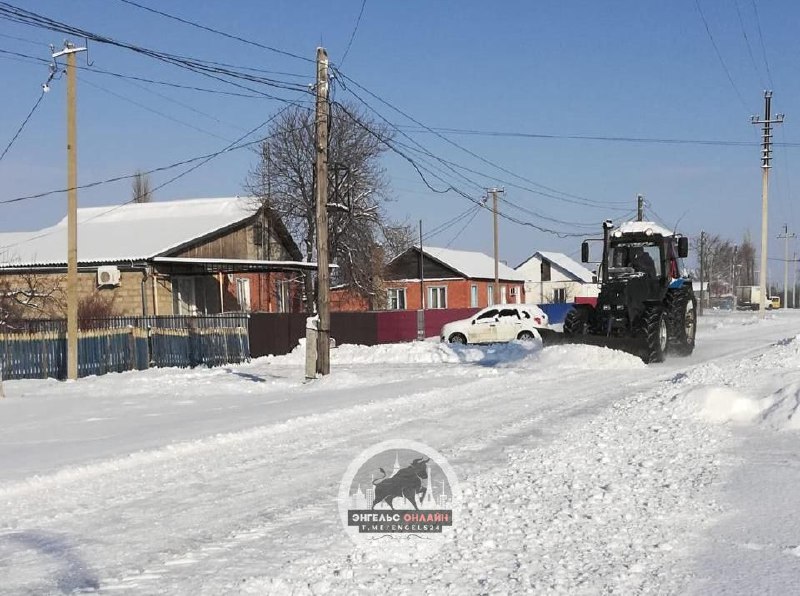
(484,328)
(508,325)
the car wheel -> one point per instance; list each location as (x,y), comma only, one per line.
(526,336)
(457,338)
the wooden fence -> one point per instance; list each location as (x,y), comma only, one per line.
(113,348)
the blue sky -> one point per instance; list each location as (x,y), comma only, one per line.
(586,68)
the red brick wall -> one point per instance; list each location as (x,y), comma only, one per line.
(458,292)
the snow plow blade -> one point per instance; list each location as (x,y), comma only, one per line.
(630,345)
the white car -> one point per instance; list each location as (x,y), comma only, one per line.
(500,322)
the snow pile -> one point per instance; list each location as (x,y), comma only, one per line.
(419,352)
(783,409)
(585,357)
(718,404)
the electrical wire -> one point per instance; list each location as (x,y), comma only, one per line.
(352,35)
(215,31)
(761,39)
(719,55)
(22,126)
(464,227)
(449,141)
(747,43)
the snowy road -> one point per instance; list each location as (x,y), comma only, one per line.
(585,470)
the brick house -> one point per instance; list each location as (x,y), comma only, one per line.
(450,279)
(553,277)
(196,256)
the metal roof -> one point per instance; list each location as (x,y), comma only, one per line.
(125,233)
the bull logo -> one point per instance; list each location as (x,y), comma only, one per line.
(407,483)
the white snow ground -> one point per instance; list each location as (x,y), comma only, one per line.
(584,471)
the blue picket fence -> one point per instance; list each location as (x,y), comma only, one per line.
(116,348)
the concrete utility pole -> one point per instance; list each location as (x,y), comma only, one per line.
(794,280)
(496,290)
(702,263)
(321,167)
(72,212)
(733,274)
(639,208)
(785,237)
(766,158)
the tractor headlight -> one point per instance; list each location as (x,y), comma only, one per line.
(648,232)
(617,234)
(606,307)
(620,307)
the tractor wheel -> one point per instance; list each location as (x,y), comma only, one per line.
(654,329)
(576,322)
(681,311)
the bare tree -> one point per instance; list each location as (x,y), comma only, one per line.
(30,296)
(140,188)
(283,181)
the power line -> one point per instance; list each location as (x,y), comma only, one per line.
(719,55)
(747,43)
(216,31)
(353,34)
(449,141)
(45,89)
(22,126)
(206,157)
(761,39)
(464,227)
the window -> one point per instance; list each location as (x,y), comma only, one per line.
(437,297)
(511,313)
(489,295)
(545,270)
(473,296)
(194,295)
(397,299)
(243,293)
(560,295)
(282,295)
(503,295)
(489,314)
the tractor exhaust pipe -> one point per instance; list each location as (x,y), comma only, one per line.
(607,227)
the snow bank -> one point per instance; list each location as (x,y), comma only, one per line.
(507,355)
(718,404)
(420,352)
(783,409)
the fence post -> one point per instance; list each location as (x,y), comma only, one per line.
(311,347)
(132,348)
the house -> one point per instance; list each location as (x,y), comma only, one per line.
(552,277)
(448,279)
(197,256)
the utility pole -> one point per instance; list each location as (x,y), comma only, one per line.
(421,318)
(794,280)
(766,158)
(702,254)
(733,274)
(785,237)
(639,208)
(321,167)
(72,212)
(496,291)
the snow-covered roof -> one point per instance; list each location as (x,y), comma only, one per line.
(566,264)
(128,232)
(472,264)
(639,227)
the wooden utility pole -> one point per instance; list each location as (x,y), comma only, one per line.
(639,208)
(321,166)
(72,212)
(785,237)
(496,291)
(421,312)
(766,159)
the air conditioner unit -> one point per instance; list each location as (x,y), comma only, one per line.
(108,276)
